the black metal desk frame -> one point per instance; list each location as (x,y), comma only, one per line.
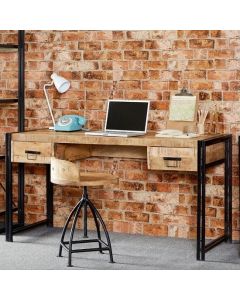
(21,226)
(202,248)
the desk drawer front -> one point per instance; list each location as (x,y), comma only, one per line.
(31,152)
(164,158)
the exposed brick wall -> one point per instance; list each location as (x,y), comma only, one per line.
(154,65)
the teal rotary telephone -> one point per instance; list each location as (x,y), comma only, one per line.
(70,123)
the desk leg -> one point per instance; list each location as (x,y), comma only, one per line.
(201,197)
(49,196)
(228,190)
(21,185)
(9,213)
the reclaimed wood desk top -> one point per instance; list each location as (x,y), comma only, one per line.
(79,137)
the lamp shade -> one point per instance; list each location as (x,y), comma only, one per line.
(61,84)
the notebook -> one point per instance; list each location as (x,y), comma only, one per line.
(125,118)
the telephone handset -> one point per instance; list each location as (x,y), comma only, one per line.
(70,123)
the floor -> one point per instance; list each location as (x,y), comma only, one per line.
(37,249)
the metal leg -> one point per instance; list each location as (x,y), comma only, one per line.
(97,227)
(9,216)
(202,247)
(104,229)
(21,184)
(49,197)
(228,174)
(102,245)
(201,202)
(81,203)
(85,228)
(66,226)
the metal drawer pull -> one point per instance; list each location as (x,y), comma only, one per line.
(31,154)
(172,162)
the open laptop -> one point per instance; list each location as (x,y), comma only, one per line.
(125,118)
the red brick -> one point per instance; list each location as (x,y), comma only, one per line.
(225,53)
(201,43)
(200,64)
(104,35)
(136,175)
(235,85)
(201,85)
(197,33)
(134,75)
(221,75)
(118,35)
(211,212)
(155,85)
(73,36)
(158,187)
(131,84)
(136,216)
(155,65)
(131,186)
(217,96)
(115,215)
(132,45)
(132,206)
(134,54)
(100,75)
(114,55)
(180,44)
(194,74)
(231,96)
(217,33)
(89,46)
(94,55)
(155,230)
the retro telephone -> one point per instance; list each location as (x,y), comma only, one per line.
(70,123)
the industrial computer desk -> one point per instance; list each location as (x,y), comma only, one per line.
(171,154)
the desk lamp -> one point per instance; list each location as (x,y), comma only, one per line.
(62,85)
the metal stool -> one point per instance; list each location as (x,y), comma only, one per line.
(67,173)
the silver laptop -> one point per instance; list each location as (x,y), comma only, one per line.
(125,118)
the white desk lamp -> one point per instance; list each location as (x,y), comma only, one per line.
(62,85)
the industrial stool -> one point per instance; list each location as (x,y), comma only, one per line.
(67,173)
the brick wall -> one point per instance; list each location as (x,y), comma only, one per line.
(153,65)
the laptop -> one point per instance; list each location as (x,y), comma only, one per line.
(125,118)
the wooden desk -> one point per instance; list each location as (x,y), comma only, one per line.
(175,154)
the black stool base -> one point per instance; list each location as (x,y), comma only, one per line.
(84,203)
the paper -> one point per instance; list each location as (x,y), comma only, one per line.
(182,108)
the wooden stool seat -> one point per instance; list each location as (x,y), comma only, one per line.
(67,173)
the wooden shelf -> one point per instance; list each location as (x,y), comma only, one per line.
(8,47)
(8,101)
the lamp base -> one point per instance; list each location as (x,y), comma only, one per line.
(51,128)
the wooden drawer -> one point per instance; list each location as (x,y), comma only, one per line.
(31,152)
(164,158)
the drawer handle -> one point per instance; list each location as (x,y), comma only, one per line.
(172,162)
(31,154)
(173,158)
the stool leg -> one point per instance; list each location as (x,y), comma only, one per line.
(85,228)
(97,227)
(81,203)
(104,229)
(66,225)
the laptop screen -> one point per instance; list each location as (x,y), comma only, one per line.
(127,115)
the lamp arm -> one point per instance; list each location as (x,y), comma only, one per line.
(48,103)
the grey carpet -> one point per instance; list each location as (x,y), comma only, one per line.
(38,248)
